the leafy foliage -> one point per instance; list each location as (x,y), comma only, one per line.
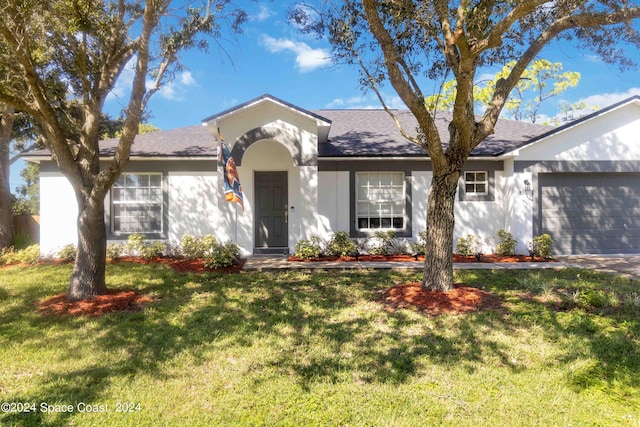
(29,255)
(401,42)
(387,243)
(137,244)
(341,244)
(466,245)
(542,245)
(193,247)
(309,248)
(506,243)
(222,255)
(68,252)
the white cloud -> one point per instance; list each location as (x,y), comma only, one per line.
(369,102)
(174,90)
(307,58)
(122,87)
(605,99)
(263,13)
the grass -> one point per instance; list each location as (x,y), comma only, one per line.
(299,348)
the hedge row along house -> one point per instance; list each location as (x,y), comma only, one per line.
(306,173)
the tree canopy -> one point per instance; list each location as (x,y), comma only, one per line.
(54,51)
(407,42)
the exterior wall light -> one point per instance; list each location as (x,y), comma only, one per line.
(528,191)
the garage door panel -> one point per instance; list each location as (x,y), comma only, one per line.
(591,213)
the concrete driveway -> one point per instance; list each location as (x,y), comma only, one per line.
(626,265)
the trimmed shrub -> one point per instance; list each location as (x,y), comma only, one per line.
(506,244)
(114,250)
(68,252)
(308,248)
(542,245)
(388,243)
(193,247)
(138,245)
(222,255)
(341,244)
(466,245)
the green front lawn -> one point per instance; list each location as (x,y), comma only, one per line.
(300,348)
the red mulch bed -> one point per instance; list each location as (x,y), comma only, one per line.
(114,301)
(461,300)
(119,300)
(490,258)
(184,265)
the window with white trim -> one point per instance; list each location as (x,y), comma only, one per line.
(380,200)
(137,203)
(476,182)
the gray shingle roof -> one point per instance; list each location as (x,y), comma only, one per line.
(373,133)
(354,133)
(190,141)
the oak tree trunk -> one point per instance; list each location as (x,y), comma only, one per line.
(6,213)
(88,276)
(438,265)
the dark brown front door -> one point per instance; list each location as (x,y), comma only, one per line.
(271,205)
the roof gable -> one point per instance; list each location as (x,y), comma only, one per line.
(262,99)
(633,100)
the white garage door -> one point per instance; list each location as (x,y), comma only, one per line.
(591,213)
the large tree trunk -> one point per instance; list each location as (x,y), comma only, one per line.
(6,214)
(438,264)
(88,276)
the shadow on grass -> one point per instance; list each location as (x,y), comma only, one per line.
(327,326)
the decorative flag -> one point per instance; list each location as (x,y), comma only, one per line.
(232,187)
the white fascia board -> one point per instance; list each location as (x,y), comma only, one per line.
(362,158)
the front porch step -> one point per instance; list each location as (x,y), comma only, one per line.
(271,251)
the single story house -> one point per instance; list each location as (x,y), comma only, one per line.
(306,173)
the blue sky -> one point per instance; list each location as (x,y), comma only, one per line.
(272,56)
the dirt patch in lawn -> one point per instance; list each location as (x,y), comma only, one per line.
(113,301)
(461,300)
(490,258)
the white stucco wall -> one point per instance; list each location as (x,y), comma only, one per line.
(333,203)
(58,213)
(420,183)
(482,219)
(193,204)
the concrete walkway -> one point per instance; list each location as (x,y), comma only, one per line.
(625,265)
(263,263)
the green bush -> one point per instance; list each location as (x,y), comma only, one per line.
(193,247)
(419,247)
(29,255)
(308,248)
(341,244)
(114,250)
(152,249)
(596,298)
(466,245)
(68,252)
(507,244)
(542,245)
(137,244)
(21,239)
(388,244)
(222,255)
